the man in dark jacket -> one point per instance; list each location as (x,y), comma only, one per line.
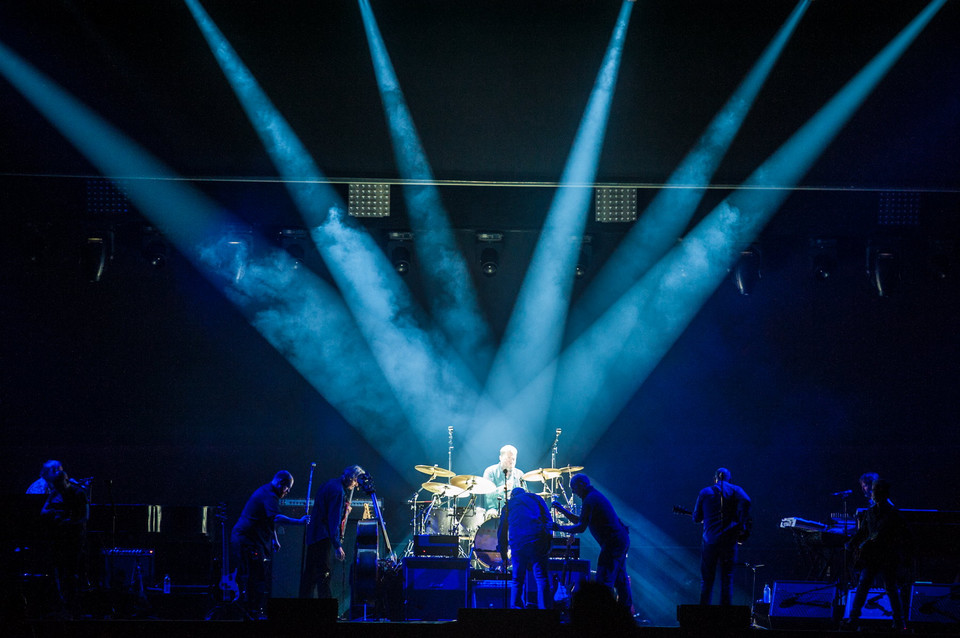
(724,510)
(254,539)
(324,537)
(525,526)
(597,515)
(881,542)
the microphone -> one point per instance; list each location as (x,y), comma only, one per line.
(843,493)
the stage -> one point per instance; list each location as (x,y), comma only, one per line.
(489,622)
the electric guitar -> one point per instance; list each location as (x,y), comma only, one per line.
(742,534)
(229,588)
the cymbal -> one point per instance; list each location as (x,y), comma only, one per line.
(473,484)
(444,489)
(434,470)
(571,469)
(542,474)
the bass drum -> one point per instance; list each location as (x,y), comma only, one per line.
(485,545)
(470,521)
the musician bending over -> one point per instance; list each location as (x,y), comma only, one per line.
(254,539)
(598,515)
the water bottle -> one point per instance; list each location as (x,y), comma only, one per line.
(766,593)
(166,584)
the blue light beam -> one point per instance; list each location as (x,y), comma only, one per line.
(288,306)
(429,382)
(601,370)
(452,297)
(668,214)
(535,330)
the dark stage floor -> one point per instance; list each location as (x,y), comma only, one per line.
(517,623)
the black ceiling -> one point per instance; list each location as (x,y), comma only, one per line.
(496,88)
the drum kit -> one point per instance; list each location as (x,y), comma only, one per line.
(475,526)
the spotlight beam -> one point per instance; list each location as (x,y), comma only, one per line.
(286,307)
(535,328)
(669,213)
(604,367)
(428,380)
(454,304)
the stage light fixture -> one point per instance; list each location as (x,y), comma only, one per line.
(823,258)
(489,262)
(941,258)
(96,253)
(294,241)
(898,209)
(489,256)
(368,200)
(154,247)
(884,267)
(106,198)
(615,204)
(585,256)
(398,249)
(748,270)
(231,253)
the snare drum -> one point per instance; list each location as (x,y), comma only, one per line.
(485,544)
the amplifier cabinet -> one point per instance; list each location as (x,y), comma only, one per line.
(876,610)
(434,588)
(934,603)
(128,568)
(802,605)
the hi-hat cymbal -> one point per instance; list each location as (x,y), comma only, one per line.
(443,489)
(473,484)
(433,470)
(571,469)
(542,474)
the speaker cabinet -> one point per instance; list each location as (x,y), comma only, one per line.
(126,568)
(876,610)
(932,604)
(434,588)
(802,605)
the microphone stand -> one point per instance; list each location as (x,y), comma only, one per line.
(844,576)
(449,468)
(553,466)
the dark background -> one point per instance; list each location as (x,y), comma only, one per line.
(150,380)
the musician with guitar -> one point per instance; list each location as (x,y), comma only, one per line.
(324,537)
(881,542)
(254,539)
(724,510)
